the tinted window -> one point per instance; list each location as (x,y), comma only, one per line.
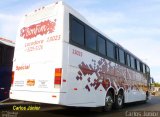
(144,69)
(141,67)
(110,50)
(117,53)
(77,32)
(101,46)
(138,65)
(121,56)
(90,39)
(147,70)
(132,62)
(128,60)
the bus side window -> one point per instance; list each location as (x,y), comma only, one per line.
(121,56)
(90,39)
(138,65)
(132,62)
(143,67)
(128,60)
(116,53)
(77,32)
(101,45)
(110,50)
(147,70)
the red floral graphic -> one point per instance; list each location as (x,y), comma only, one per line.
(38,29)
(99,70)
(108,74)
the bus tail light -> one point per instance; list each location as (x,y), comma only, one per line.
(12,80)
(58,77)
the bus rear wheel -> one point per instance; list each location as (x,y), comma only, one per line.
(108,102)
(119,101)
(147,97)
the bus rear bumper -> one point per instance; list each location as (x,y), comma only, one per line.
(36,96)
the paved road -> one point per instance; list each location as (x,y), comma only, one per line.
(150,109)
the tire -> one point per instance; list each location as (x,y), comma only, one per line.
(147,98)
(108,102)
(119,101)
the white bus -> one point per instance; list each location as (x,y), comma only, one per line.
(62,59)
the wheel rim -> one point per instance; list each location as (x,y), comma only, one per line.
(120,100)
(109,102)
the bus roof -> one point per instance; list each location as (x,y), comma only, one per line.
(7,42)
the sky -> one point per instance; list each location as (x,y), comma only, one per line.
(135,24)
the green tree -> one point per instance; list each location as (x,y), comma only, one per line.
(156,84)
